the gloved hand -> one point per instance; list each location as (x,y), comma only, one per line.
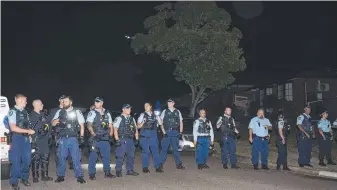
(165,135)
(118,143)
(180,136)
(136,143)
(111,139)
(81,141)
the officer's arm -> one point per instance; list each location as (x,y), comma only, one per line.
(250,127)
(320,126)
(268,125)
(110,125)
(195,130)
(211,132)
(280,128)
(136,134)
(181,122)
(56,119)
(299,124)
(160,122)
(12,123)
(90,119)
(116,126)
(81,121)
(219,123)
(140,121)
(162,118)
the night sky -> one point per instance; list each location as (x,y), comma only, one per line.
(78,48)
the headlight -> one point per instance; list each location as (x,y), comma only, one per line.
(156,112)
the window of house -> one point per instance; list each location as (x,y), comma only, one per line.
(269,91)
(280,91)
(261,97)
(289,91)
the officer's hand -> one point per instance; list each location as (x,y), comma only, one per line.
(136,143)
(81,140)
(165,135)
(31,132)
(236,131)
(111,139)
(195,143)
(250,139)
(212,143)
(118,143)
(308,136)
(180,136)
(283,141)
(56,122)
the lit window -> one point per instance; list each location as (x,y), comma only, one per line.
(261,97)
(269,91)
(280,91)
(289,91)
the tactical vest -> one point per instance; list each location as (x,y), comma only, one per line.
(227,126)
(150,123)
(127,128)
(101,123)
(171,119)
(42,127)
(204,126)
(22,120)
(306,124)
(69,125)
(284,130)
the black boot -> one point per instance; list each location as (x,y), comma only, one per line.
(15,187)
(35,176)
(81,179)
(200,167)
(119,173)
(59,179)
(159,170)
(224,166)
(256,167)
(109,175)
(146,170)
(285,167)
(35,167)
(92,176)
(132,173)
(205,166)
(44,171)
(180,167)
(264,167)
(235,167)
(25,182)
(278,167)
(321,163)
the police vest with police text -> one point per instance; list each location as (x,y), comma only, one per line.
(306,124)
(227,126)
(171,119)
(101,123)
(69,125)
(127,127)
(150,122)
(204,127)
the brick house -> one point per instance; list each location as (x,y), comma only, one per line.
(317,88)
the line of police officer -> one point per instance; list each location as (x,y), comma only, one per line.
(69,124)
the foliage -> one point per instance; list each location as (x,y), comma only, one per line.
(199,38)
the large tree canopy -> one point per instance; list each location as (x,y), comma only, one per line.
(199,38)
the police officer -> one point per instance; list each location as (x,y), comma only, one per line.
(20,151)
(203,136)
(259,137)
(99,123)
(172,129)
(282,132)
(147,123)
(304,138)
(226,124)
(325,143)
(69,122)
(40,142)
(54,133)
(125,132)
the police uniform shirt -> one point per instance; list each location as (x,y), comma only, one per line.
(52,114)
(196,134)
(324,125)
(12,115)
(280,123)
(220,120)
(163,114)
(92,115)
(257,125)
(141,117)
(301,118)
(79,115)
(118,120)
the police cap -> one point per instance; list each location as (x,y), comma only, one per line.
(99,99)
(170,100)
(126,106)
(324,111)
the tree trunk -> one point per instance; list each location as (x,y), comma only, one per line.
(197,97)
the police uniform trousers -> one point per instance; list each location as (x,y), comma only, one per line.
(228,147)
(102,147)
(68,145)
(260,144)
(41,154)
(70,160)
(149,142)
(127,148)
(325,147)
(20,158)
(173,140)
(304,149)
(282,150)
(203,143)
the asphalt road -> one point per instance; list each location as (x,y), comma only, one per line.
(190,178)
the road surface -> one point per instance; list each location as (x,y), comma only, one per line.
(191,178)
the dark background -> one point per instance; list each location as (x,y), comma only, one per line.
(79,48)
